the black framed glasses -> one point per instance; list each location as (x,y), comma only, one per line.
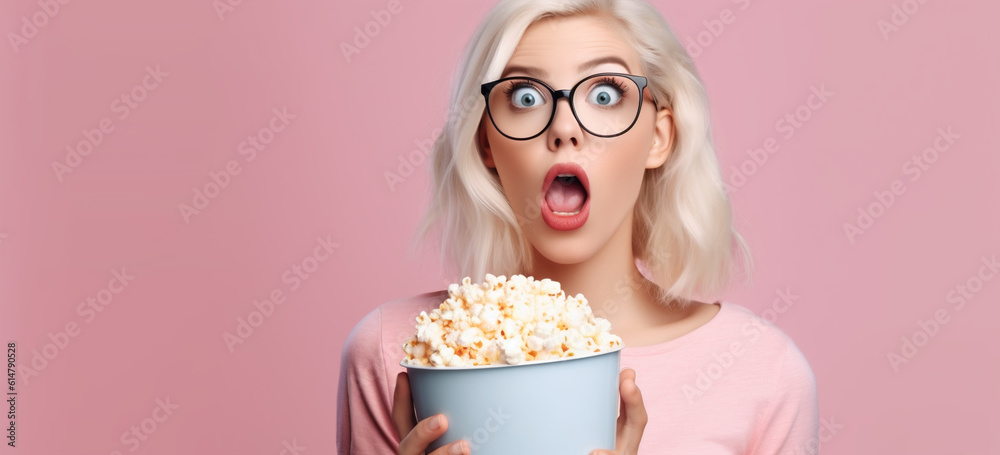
(604,104)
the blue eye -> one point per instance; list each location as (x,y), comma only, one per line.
(525,97)
(604,95)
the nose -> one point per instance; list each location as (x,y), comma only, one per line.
(564,128)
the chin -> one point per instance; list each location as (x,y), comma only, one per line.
(564,250)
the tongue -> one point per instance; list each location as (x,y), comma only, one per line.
(565,196)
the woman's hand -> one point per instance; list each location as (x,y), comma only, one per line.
(632,417)
(416,436)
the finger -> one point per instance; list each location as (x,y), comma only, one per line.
(603,452)
(424,433)
(633,419)
(403,417)
(455,448)
(622,412)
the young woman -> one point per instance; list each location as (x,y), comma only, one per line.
(580,151)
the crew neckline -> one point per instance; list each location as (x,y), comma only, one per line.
(670,345)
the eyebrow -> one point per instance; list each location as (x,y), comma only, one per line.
(586,66)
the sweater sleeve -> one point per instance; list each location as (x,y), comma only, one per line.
(791,422)
(364,401)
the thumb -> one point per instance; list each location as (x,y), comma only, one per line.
(633,418)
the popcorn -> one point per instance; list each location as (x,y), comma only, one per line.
(509,322)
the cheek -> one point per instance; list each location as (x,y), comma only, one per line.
(515,169)
(621,171)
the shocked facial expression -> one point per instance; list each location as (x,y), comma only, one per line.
(571,189)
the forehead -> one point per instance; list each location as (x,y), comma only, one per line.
(564,49)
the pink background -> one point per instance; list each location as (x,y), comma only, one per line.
(323,176)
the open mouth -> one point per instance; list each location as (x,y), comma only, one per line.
(565,194)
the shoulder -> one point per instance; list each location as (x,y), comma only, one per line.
(373,350)
(387,327)
(369,363)
(743,322)
(778,374)
(769,346)
(772,372)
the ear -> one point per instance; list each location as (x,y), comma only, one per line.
(663,139)
(484,146)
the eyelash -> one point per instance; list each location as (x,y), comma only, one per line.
(604,80)
(520,84)
(614,83)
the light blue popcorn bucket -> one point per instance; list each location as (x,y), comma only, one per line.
(551,407)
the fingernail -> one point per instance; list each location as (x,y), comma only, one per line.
(435,423)
(457,449)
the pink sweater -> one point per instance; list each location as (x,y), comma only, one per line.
(736,385)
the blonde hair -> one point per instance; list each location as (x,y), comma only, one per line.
(683,229)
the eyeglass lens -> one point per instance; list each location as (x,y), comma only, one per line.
(605,105)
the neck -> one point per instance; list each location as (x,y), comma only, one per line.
(611,282)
